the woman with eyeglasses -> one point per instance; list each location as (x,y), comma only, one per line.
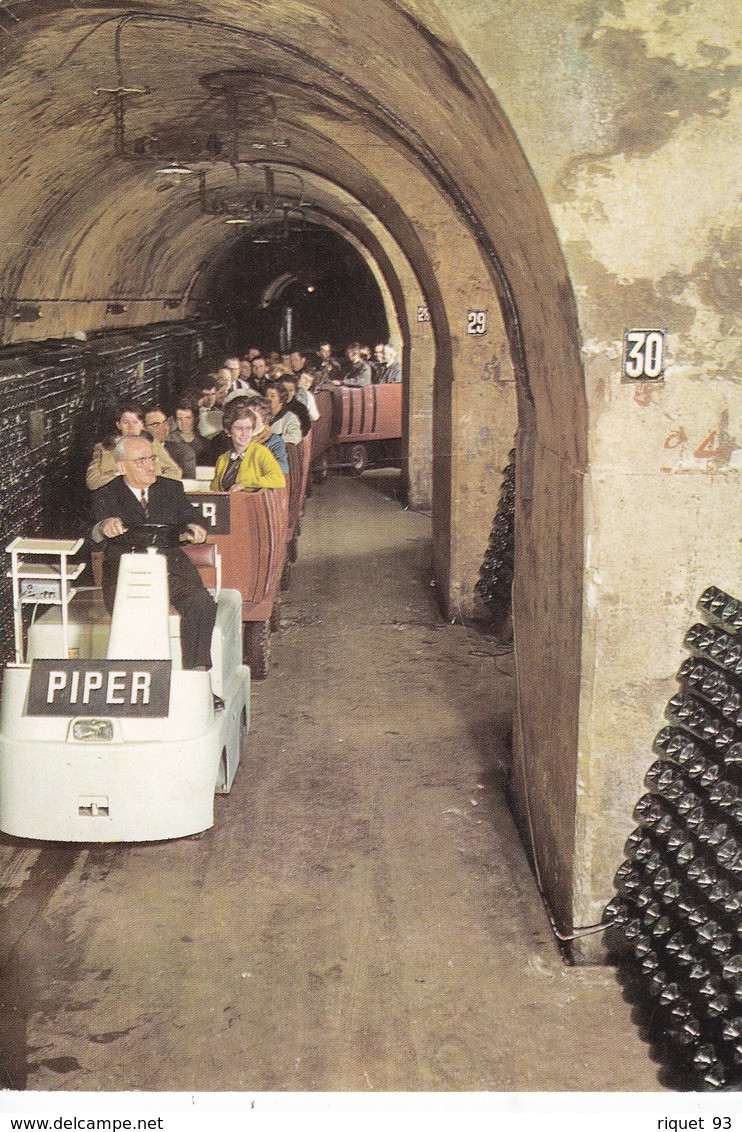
(129,422)
(248,465)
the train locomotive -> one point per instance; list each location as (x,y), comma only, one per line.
(103,735)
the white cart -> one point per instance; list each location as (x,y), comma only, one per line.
(103,735)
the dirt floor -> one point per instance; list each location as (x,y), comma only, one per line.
(361,916)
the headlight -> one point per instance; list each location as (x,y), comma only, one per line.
(92,730)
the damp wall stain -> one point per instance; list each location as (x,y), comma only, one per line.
(616,303)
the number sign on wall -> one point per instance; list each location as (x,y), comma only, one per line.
(643,355)
(476,322)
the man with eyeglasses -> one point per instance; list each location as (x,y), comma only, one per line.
(137,496)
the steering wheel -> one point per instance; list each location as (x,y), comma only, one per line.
(161,536)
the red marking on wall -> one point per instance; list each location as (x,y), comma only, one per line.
(708,448)
(676,439)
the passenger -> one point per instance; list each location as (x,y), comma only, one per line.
(297,362)
(240,383)
(229,374)
(249,465)
(205,395)
(233,366)
(329,367)
(264,434)
(259,374)
(357,373)
(294,404)
(136,496)
(305,395)
(157,424)
(207,391)
(378,365)
(392,372)
(210,422)
(283,422)
(129,422)
(186,414)
(273,358)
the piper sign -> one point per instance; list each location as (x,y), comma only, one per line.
(105,687)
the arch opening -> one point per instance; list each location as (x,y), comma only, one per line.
(325,282)
(458,239)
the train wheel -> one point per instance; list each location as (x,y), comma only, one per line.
(358,458)
(256,647)
(292,551)
(286,576)
(320,469)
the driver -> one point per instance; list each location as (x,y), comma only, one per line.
(138,496)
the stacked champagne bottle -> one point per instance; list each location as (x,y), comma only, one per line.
(679,908)
(496,572)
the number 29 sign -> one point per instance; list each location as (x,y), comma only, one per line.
(643,355)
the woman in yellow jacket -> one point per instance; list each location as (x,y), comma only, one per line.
(248,465)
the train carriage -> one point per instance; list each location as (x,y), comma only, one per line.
(358,428)
(250,530)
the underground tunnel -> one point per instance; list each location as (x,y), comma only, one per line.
(479,188)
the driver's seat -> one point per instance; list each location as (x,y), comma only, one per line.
(138,632)
(140,622)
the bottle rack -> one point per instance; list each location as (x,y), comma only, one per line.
(38,582)
(495,582)
(679,908)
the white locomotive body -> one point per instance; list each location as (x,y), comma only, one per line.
(103,735)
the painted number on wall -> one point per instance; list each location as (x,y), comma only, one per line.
(643,355)
(423,314)
(476,322)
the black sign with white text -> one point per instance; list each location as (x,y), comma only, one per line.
(643,355)
(101,687)
(214,512)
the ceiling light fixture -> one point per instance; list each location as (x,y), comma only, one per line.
(175,169)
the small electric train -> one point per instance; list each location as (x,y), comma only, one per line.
(103,735)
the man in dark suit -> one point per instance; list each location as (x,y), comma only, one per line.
(137,496)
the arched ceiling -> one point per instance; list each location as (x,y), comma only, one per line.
(361,99)
(211,79)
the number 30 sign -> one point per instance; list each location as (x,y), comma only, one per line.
(643,355)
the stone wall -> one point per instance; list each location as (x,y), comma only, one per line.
(630,115)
